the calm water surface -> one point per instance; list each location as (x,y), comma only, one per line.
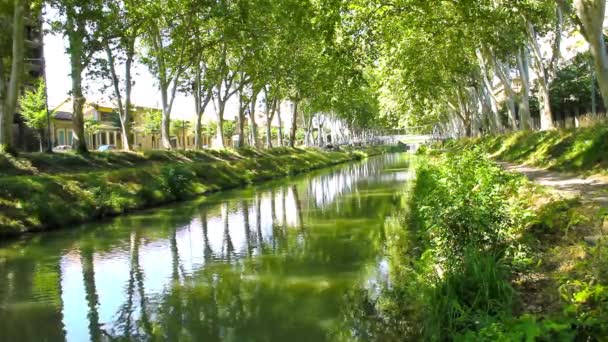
(270,263)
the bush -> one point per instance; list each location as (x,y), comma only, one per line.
(177,181)
(463,213)
(462,202)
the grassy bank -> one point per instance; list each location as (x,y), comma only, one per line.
(479,254)
(579,150)
(40,192)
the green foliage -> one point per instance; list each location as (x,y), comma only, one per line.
(44,201)
(571,88)
(92,126)
(466,297)
(33,109)
(586,295)
(579,149)
(524,328)
(464,216)
(176,181)
(151,121)
(229,128)
(466,204)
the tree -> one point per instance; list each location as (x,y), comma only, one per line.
(120,26)
(572,86)
(545,66)
(201,82)
(92,126)
(167,35)
(589,16)
(181,128)
(33,109)
(12,24)
(229,127)
(151,122)
(78,23)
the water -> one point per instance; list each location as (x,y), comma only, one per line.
(270,263)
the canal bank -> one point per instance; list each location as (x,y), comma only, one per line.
(271,262)
(45,195)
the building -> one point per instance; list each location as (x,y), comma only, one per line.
(23,137)
(103,127)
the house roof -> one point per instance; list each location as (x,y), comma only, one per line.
(63,115)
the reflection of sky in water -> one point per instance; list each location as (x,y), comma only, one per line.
(111,276)
(73,295)
(225,222)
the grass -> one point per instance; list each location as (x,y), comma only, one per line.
(560,281)
(573,150)
(40,192)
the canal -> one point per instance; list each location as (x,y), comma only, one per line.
(275,262)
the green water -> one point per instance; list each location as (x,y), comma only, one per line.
(270,263)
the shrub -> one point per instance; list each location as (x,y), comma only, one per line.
(464,216)
(462,202)
(177,181)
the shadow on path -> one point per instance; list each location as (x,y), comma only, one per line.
(590,190)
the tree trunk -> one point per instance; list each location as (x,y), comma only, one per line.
(76,51)
(525,118)
(280,138)
(124,110)
(241,120)
(254,126)
(320,134)
(125,119)
(294,125)
(591,16)
(198,127)
(11,93)
(503,74)
(546,114)
(488,93)
(78,136)
(165,123)
(545,72)
(220,124)
(464,114)
(270,111)
(201,107)
(268,131)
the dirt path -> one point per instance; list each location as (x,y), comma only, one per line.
(590,190)
(539,289)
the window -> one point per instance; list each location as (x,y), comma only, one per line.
(109,117)
(60,137)
(70,137)
(112,142)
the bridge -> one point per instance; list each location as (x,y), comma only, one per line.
(414,136)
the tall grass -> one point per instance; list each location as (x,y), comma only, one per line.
(463,214)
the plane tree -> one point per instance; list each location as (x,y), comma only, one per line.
(12,24)
(77,21)
(167,32)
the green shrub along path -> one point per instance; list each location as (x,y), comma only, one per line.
(487,255)
(555,251)
(40,192)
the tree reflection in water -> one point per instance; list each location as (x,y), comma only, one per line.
(272,263)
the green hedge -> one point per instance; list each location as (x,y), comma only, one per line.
(46,201)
